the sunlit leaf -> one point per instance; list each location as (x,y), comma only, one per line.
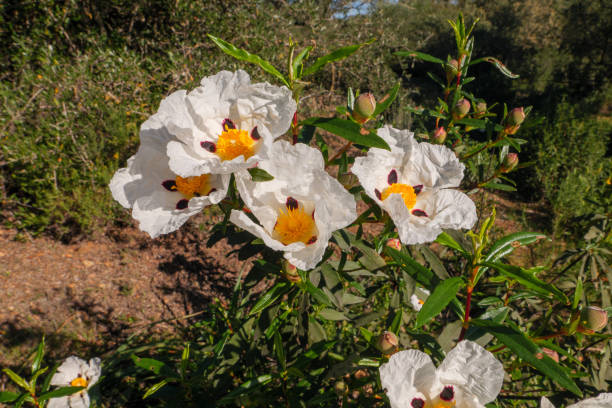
(348,130)
(442,295)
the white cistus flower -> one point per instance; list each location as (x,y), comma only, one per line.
(469,377)
(75,372)
(227,124)
(160,199)
(411,182)
(601,401)
(418,298)
(299,209)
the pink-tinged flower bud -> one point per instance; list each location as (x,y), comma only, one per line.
(514,120)
(395,243)
(387,342)
(592,319)
(480,110)
(551,353)
(364,107)
(290,272)
(439,135)
(451,68)
(510,162)
(461,108)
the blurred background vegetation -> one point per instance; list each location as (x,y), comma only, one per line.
(77,78)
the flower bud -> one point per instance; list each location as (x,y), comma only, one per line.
(514,120)
(451,68)
(290,272)
(510,162)
(593,319)
(340,387)
(364,107)
(387,342)
(394,243)
(551,353)
(439,135)
(461,108)
(480,109)
(348,180)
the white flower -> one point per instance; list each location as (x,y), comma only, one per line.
(410,182)
(469,377)
(227,124)
(75,372)
(161,200)
(299,209)
(418,298)
(601,401)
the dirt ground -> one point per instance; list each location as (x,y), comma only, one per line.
(87,297)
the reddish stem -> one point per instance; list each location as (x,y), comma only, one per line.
(466,318)
(294,127)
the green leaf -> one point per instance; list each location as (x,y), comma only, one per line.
(299,59)
(270,297)
(528,279)
(348,130)
(370,259)
(507,244)
(475,123)
(498,64)
(447,240)
(40,351)
(247,387)
(386,100)
(419,55)
(527,350)
(154,388)
(418,272)
(258,174)
(156,366)
(335,55)
(60,392)
(331,314)
(442,295)
(397,322)
(18,380)
(7,396)
(244,55)
(317,293)
(279,348)
(368,362)
(499,186)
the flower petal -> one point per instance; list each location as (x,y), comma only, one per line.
(472,369)
(450,209)
(601,401)
(407,375)
(68,371)
(434,166)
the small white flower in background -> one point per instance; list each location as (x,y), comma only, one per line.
(299,209)
(75,372)
(418,298)
(601,401)
(226,124)
(469,377)
(161,200)
(411,182)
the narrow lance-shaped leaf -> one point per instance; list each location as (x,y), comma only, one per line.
(335,55)
(498,64)
(419,55)
(60,392)
(258,174)
(507,244)
(442,295)
(154,388)
(244,55)
(39,355)
(269,297)
(247,387)
(348,130)
(299,60)
(386,100)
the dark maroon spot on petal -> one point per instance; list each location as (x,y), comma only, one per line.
(417,189)
(312,215)
(228,124)
(210,146)
(182,204)
(212,190)
(378,195)
(447,393)
(196,194)
(291,203)
(169,185)
(312,240)
(419,213)
(255,134)
(392,178)
(417,403)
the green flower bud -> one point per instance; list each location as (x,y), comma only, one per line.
(480,109)
(387,342)
(348,180)
(290,272)
(451,68)
(340,388)
(514,120)
(592,319)
(510,162)
(364,107)
(461,108)
(439,135)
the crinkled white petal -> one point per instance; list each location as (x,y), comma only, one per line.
(61,402)
(434,166)
(69,370)
(474,370)
(418,297)
(450,209)
(407,375)
(601,401)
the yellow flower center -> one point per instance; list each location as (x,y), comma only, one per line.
(79,382)
(194,186)
(235,142)
(439,403)
(406,191)
(294,225)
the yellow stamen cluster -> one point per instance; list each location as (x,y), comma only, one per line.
(406,191)
(235,142)
(194,186)
(79,382)
(440,403)
(295,225)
